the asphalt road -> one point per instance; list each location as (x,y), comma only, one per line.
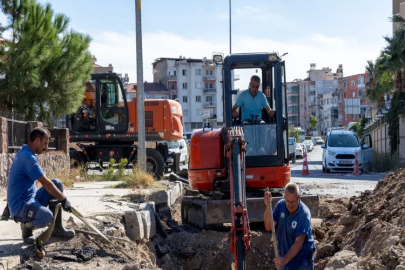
(330,183)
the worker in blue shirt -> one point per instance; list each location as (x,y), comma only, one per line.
(252,101)
(294,230)
(28,205)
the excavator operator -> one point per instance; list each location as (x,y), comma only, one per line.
(252,101)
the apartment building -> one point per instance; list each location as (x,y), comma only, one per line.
(196,85)
(353,102)
(318,82)
(293,103)
(330,112)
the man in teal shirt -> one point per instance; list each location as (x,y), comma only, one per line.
(252,101)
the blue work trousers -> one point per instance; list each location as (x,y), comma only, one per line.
(36,210)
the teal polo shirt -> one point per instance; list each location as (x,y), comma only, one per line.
(251,105)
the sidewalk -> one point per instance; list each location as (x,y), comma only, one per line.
(86,197)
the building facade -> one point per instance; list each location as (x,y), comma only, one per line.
(195,83)
(293,103)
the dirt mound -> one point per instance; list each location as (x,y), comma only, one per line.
(371,226)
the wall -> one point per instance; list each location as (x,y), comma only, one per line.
(51,163)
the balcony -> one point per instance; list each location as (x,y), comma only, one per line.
(210,91)
(209,78)
(210,104)
(172,78)
(312,103)
(361,85)
(210,116)
(333,105)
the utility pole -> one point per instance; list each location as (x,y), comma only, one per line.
(230,28)
(139,92)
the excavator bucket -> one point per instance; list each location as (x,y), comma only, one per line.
(207,214)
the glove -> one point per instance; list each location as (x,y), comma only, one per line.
(66,205)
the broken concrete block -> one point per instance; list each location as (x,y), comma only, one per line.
(147,206)
(134,225)
(160,197)
(149,223)
(175,193)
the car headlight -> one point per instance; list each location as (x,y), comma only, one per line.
(331,153)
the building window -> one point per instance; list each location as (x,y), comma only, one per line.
(171,86)
(198,112)
(185,112)
(184,72)
(353,83)
(185,99)
(197,98)
(353,94)
(184,85)
(208,72)
(198,72)
(345,95)
(197,85)
(208,85)
(345,84)
(208,98)
(346,117)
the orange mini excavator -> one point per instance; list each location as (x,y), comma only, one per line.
(240,160)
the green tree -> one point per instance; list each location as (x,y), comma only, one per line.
(313,122)
(44,64)
(294,133)
(387,75)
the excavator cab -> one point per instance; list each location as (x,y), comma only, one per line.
(104,108)
(266,152)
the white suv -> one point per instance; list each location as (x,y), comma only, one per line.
(339,151)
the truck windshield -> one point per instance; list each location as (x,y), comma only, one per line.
(343,140)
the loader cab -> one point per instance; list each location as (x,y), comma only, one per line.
(267,139)
(104,107)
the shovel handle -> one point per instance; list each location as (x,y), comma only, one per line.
(273,230)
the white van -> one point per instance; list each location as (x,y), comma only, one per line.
(340,148)
(179,146)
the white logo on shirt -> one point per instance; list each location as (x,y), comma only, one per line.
(30,214)
(294,224)
(282,215)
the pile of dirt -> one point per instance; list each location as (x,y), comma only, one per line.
(364,232)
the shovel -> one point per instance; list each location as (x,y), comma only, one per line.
(273,230)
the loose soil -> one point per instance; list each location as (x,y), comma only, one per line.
(364,232)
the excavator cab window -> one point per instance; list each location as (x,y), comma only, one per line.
(112,109)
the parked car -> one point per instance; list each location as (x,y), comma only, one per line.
(179,146)
(310,144)
(299,150)
(340,149)
(291,149)
(317,140)
(307,146)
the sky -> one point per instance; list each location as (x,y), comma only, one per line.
(327,33)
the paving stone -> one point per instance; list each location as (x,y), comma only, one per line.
(134,225)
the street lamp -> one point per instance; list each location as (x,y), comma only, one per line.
(230,28)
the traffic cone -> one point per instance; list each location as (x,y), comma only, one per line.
(305,170)
(356,166)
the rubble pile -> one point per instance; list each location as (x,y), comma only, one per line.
(364,232)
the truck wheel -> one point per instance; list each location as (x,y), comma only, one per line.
(76,159)
(155,164)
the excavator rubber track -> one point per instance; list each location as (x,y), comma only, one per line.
(207,214)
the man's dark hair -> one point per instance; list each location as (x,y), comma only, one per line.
(38,132)
(255,78)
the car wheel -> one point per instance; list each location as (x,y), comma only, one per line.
(323,168)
